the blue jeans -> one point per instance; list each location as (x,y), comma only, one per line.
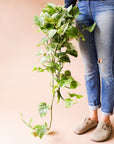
(97,52)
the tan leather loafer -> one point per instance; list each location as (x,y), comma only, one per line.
(102,132)
(85,125)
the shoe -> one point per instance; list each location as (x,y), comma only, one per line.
(102,132)
(85,125)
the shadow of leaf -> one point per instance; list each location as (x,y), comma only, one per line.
(52,133)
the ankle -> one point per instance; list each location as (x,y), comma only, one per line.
(93,115)
(106,119)
(94,118)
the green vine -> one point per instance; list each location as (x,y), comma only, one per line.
(58,25)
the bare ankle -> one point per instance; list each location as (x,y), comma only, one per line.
(93,115)
(94,119)
(106,119)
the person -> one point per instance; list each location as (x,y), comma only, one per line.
(97,53)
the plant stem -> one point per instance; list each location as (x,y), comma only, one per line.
(51,110)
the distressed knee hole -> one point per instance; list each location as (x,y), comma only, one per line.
(100,60)
(106,67)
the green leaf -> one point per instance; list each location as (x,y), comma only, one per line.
(62,76)
(41,130)
(75,95)
(43,109)
(56,38)
(40,69)
(72,32)
(51,5)
(39,21)
(67,73)
(49,10)
(49,20)
(69,8)
(50,64)
(36,18)
(72,52)
(51,33)
(59,19)
(54,15)
(59,55)
(52,46)
(39,53)
(55,87)
(50,69)
(48,26)
(54,65)
(64,59)
(74,12)
(27,124)
(56,79)
(68,16)
(69,46)
(73,84)
(91,28)
(65,81)
(35,68)
(57,66)
(45,59)
(79,96)
(60,8)
(59,96)
(62,29)
(81,36)
(39,30)
(69,102)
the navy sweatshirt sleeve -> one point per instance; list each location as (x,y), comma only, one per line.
(69,2)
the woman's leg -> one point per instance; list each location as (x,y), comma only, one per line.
(89,57)
(98,56)
(103,14)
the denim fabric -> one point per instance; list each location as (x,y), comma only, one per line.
(73,2)
(97,52)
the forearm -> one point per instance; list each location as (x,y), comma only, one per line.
(69,2)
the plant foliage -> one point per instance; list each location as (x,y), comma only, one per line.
(58,25)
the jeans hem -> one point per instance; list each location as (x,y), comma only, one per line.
(94,107)
(106,114)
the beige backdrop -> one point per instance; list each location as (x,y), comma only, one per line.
(21,90)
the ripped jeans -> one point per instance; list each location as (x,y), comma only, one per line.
(97,52)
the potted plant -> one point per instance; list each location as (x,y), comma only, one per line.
(58,25)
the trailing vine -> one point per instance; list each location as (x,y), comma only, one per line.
(58,25)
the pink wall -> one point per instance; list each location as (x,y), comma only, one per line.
(21,90)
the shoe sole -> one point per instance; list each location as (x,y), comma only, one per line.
(84,131)
(101,140)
